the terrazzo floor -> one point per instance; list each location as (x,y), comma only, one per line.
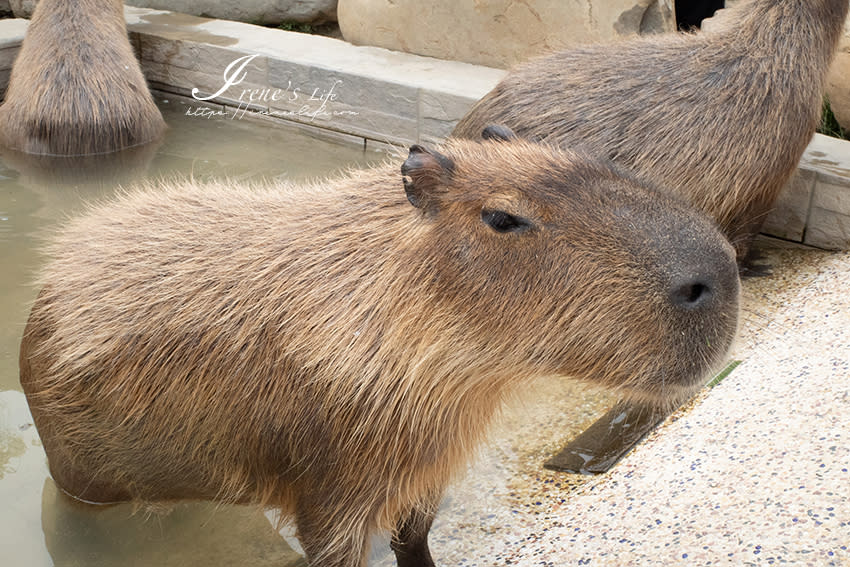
(754,471)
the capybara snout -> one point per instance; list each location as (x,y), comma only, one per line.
(692,292)
(665,266)
(336,349)
(703,283)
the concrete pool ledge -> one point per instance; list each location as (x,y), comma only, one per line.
(11,35)
(365,91)
(377,96)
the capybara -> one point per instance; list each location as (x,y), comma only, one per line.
(76,87)
(720,117)
(337,349)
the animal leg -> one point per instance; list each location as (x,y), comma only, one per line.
(331,539)
(410,543)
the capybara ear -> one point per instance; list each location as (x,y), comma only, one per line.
(425,172)
(498,133)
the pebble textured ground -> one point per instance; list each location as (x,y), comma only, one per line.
(754,471)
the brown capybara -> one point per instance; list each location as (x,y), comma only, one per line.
(338,349)
(721,118)
(76,87)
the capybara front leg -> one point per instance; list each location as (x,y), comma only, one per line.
(410,543)
(331,539)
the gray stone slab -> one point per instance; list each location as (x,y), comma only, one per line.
(371,92)
(343,101)
(830,157)
(12,31)
(439,112)
(308,130)
(169,88)
(372,62)
(832,197)
(788,219)
(168,51)
(197,56)
(828,229)
(7,57)
(314,85)
(393,151)
(357,120)
(173,25)
(318,51)
(263,11)
(184,81)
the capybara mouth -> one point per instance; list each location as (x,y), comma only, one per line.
(669,387)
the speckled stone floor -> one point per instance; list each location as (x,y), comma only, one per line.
(755,471)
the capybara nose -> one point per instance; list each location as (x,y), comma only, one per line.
(693,292)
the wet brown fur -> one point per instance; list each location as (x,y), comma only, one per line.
(336,352)
(76,87)
(720,117)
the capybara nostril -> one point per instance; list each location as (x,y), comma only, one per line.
(692,293)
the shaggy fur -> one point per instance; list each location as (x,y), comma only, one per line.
(76,87)
(721,118)
(333,350)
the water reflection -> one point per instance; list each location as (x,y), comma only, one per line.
(186,534)
(24,469)
(104,170)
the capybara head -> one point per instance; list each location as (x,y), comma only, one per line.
(337,349)
(720,118)
(76,87)
(589,273)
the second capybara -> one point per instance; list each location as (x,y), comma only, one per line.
(338,349)
(722,118)
(76,87)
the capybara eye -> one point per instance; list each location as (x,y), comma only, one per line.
(500,221)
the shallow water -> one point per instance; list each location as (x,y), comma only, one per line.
(39,526)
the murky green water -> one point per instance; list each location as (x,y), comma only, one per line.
(40,527)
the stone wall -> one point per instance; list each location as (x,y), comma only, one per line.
(22,8)
(497,33)
(268,12)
